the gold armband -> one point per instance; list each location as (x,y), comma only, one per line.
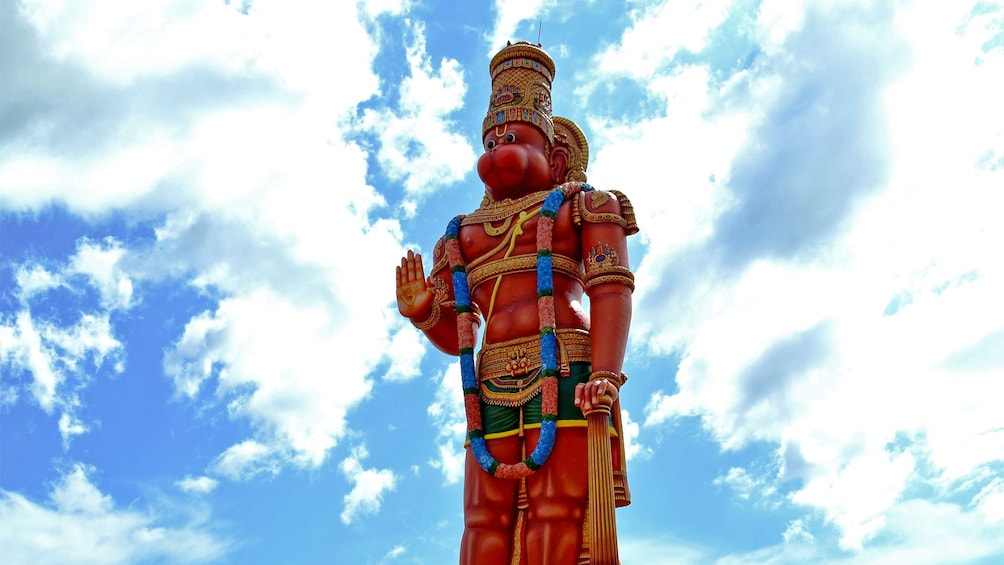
(617,378)
(618,275)
(603,266)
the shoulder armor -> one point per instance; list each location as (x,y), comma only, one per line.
(595,207)
(439,259)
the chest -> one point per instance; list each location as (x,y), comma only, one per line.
(517,235)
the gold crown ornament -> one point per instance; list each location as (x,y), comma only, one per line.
(521,88)
(569,135)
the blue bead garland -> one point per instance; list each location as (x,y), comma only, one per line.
(548,341)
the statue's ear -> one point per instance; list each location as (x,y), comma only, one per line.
(559,164)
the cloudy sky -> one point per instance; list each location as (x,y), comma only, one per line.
(202,204)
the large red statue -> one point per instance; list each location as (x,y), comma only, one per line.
(545,464)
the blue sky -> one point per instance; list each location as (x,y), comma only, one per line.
(202,203)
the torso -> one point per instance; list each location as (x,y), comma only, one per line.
(513,313)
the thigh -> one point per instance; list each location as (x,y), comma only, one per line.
(483,491)
(565,475)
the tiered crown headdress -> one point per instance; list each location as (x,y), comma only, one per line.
(521,88)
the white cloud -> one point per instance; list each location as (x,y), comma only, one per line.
(740,480)
(368,486)
(124,42)
(409,346)
(448,416)
(990,501)
(33,279)
(798,532)
(61,358)
(24,350)
(376,8)
(273,365)
(660,551)
(508,16)
(75,493)
(152,88)
(234,147)
(917,531)
(631,429)
(659,32)
(839,305)
(419,145)
(395,552)
(80,524)
(247,459)
(100,263)
(197,485)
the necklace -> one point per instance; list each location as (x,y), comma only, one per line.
(548,340)
(503,210)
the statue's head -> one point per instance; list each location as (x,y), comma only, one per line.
(527,149)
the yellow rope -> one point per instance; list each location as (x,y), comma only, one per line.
(516,231)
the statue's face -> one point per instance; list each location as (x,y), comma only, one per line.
(515,161)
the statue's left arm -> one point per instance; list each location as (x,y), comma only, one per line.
(606,219)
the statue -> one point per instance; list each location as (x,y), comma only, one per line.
(521,263)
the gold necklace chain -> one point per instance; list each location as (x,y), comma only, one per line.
(497,231)
(503,209)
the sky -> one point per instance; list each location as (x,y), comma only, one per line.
(202,204)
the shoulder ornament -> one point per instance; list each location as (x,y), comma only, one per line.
(439,259)
(587,207)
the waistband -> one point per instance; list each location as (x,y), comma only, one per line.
(521,356)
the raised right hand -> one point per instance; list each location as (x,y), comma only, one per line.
(414,293)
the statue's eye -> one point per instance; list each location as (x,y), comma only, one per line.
(510,137)
(490,144)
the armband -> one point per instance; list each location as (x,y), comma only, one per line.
(625,278)
(617,378)
(603,266)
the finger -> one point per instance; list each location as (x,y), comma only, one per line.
(399,282)
(578,394)
(419,268)
(598,389)
(411,265)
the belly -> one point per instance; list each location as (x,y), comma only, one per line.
(514,311)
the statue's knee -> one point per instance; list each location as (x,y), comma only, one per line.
(487,518)
(556,510)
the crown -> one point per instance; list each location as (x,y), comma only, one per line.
(569,135)
(521,88)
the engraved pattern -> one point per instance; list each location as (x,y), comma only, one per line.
(521,264)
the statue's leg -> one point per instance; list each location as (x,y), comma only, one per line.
(558,500)
(489,508)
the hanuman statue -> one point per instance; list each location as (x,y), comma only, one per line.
(516,269)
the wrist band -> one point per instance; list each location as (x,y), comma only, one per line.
(432,320)
(617,378)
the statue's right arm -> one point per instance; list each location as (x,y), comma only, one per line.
(428,302)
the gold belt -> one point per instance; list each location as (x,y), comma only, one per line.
(522,264)
(522,356)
